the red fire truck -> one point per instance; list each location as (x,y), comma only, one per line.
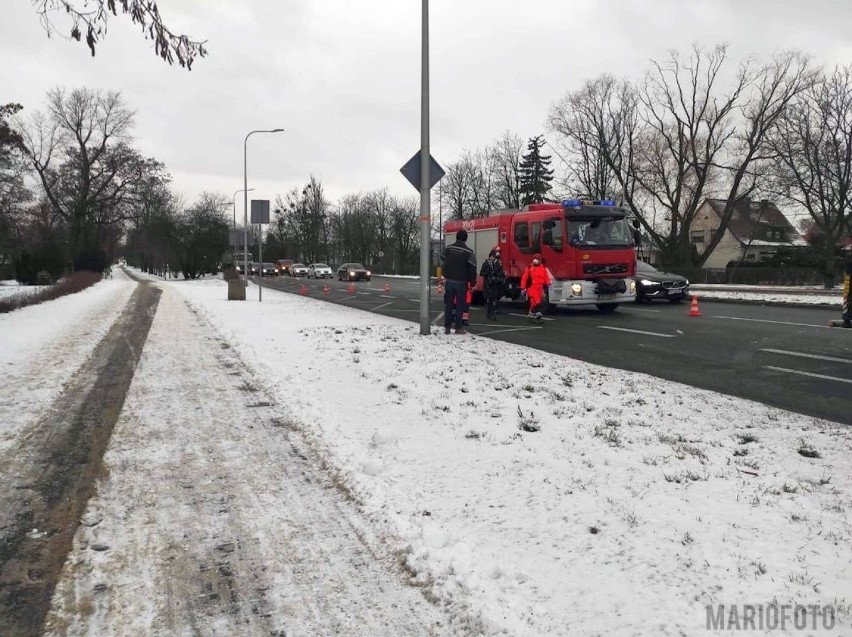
(587,246)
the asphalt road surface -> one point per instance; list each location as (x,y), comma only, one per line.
(785,357)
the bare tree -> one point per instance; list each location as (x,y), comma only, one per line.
(92,17)
(405,231)
(679,138)
(81,152)
(13,190)
(463,191)
(199,235)
(381,203)
(504,157)
(773,88)
(600,127)
(686,127)
(813,158)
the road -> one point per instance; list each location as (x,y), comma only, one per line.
(785,357)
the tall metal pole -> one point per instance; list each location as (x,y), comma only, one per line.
(245,198)
(260,259)
(245,208)
(425,203)
(234,200)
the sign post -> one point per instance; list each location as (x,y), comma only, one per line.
(260,215)
(846,303)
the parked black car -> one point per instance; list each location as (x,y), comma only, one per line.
(353,272)
(270,269)
(651,283)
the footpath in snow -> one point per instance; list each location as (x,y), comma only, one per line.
(525,493)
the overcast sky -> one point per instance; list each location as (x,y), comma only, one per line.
(342,77)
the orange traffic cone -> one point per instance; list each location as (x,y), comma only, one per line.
(303,290)
(387,287)
(325,289)
(468,298)
(440,289)
(693,310)
(351,288)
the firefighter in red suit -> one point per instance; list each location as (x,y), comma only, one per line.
(534,281)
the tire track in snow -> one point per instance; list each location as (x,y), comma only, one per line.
(218,519)
(56,465)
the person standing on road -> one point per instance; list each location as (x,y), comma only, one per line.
(458,263)
(493,278)
(534,280)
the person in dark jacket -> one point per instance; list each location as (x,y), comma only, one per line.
(458,264)
(493,279)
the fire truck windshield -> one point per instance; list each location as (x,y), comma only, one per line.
(601,231)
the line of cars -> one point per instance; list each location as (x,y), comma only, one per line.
(346,271)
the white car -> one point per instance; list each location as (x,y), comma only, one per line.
(320,271)
(298,269)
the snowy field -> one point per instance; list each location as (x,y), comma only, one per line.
(536,494)
(771,297)
(13,288)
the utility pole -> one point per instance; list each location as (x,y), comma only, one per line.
(425,183)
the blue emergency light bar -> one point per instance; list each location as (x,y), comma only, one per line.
(576,203)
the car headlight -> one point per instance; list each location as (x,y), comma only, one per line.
(686,283)
(351,273)
(577,289)
(368,273)
(647,282)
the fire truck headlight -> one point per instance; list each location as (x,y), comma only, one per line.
(632,287)
(576,289)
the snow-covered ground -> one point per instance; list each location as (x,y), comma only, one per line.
(766,288)
(536,494)
(770,297)
(13,288)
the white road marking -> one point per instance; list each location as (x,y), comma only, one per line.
(414,300)
(801,373)
(543,318)
(833,359)
(367,293)
(737,318)
(437,318)
(380,307)
(639,309)
(624,329)
(385,296)
(348,298)
(510,329)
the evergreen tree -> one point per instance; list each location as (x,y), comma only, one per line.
(535,173)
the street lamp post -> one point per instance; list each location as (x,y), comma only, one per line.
(245,196)
(234,200)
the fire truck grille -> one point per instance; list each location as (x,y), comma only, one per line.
(604,268)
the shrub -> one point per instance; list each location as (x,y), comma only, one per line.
(68,285)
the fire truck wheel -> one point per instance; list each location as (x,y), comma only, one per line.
(607,308)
